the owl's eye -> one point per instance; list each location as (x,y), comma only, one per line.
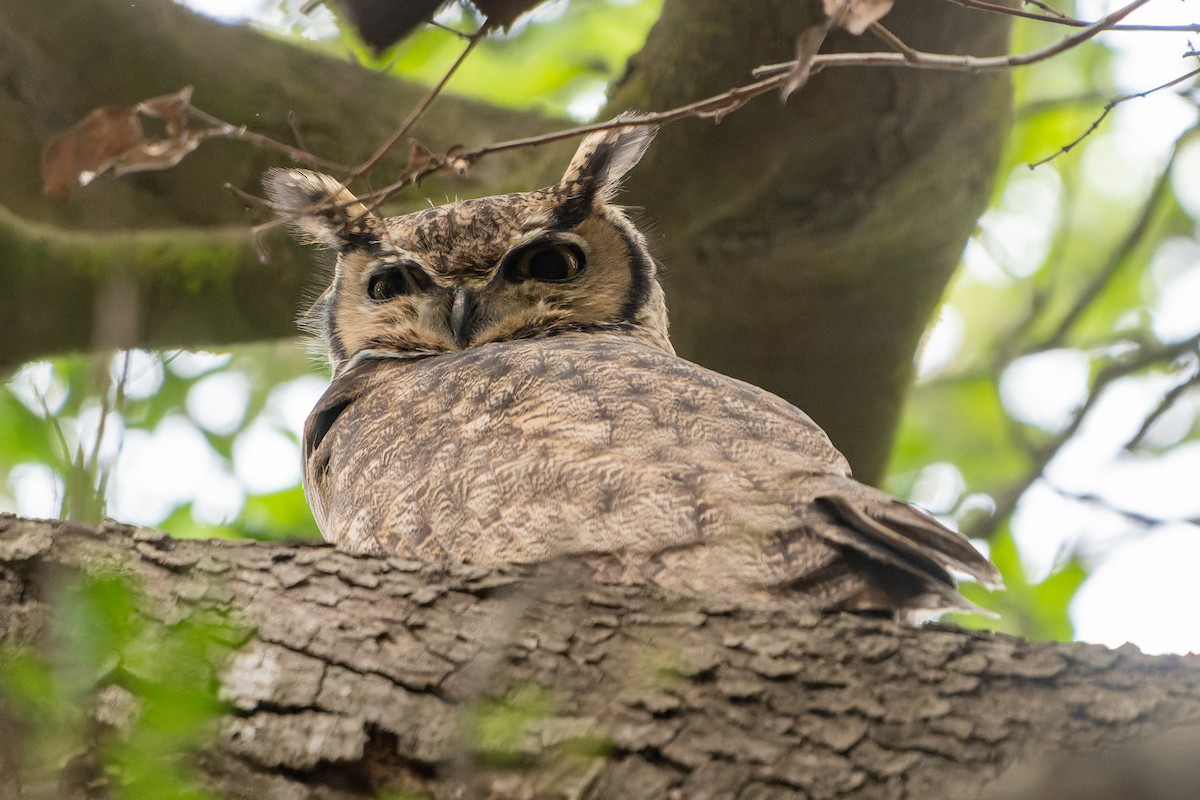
(548,263)
(394,280)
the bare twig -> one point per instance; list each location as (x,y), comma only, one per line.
(1167,402)
(1117,258)
(963,63)
(1108,107)
(1049,9)
(433,23)
(1059,18)
(895,42)
(405,126)
(222,129)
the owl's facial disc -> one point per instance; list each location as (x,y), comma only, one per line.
(472,272)
(525,277)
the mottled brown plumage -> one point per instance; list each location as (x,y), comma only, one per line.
(504,391)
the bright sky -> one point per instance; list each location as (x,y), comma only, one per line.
(1144,588)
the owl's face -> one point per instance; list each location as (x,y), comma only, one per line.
(477,271)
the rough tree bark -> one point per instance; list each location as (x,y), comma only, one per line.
(356,675)
(806,245)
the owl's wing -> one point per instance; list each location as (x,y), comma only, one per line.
(903,536)
(318,447)
(901,555)
(845,546)
(840,543)
(836,545)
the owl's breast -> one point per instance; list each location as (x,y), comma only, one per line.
(519,451)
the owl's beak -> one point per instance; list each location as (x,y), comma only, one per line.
(462,316)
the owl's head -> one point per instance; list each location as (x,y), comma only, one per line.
(477,271)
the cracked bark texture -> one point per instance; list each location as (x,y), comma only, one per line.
(793,255)
(357,675)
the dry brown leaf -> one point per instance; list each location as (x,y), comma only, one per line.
(808,44)
(382,23)
(172,108)
(418,154)
(113,140)
(857,15)
(74,157)
(503,13)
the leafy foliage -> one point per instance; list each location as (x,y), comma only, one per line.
(115,692)
(1060,309)
(182,432)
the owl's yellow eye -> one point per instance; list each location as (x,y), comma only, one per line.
(546,262)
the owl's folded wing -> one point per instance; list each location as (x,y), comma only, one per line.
(318,447)
(891,554)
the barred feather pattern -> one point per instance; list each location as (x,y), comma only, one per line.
(601,445)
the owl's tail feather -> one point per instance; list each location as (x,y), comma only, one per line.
(887,533)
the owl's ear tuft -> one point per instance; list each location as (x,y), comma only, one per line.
(316,207)
(602,160)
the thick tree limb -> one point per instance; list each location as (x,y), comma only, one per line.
(357,674)
(85,290)
(205,285)
(58,67)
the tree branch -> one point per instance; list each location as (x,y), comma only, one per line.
(61,287)
(1059,18)
(965,63)
(361,675)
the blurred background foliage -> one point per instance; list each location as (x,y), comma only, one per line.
(1079,291)
(117,698)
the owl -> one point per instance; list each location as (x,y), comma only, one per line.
(504,391)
